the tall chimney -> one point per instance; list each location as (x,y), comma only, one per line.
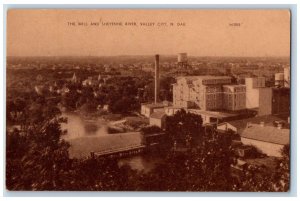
(156,90)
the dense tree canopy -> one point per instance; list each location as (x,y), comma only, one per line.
(184,127)
(37,158)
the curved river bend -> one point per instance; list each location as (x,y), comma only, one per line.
(79,129)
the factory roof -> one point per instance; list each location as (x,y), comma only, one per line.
(205,80)
(153,105)
(173,107)
(269,134)
(267,119)
(158,114)
(215,114)
(81,147)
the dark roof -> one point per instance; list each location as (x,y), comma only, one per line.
(81,147)
(269,134)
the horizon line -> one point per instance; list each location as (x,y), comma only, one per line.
(129,55)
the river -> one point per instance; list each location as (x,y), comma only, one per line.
(82,134)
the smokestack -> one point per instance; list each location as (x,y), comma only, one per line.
(156,90)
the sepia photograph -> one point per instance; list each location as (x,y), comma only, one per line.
(148,100)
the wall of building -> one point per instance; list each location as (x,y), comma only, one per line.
(234,97)
(157,122)
(213,97)
(255,82)
(252,91)
(279,79)
(281,101)
(208,93)
(171,111)
(146,111)
(265,101)
(265,147)
(226,127)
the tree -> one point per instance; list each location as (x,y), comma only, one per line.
(204,168)
(70,99)
(36,158)
(184,127)
(151,129)
(123,105)
(282,175)
(261,179)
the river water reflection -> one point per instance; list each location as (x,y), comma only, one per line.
(78,127)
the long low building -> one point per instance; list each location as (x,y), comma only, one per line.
(238,126)
(267,133)
(83,146)
(208,117)
(267,139)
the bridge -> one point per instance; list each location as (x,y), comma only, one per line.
(112,145)
(119,152)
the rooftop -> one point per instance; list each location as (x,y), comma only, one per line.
(173,107)
(81,147)
(269,134)
(153,105)
(213,113)
(158,115)
(267,119)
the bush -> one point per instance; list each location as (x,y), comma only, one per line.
(112,130)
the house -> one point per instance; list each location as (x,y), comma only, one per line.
(158,119)
(90,81)
(267,139)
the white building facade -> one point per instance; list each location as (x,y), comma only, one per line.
(208,93)
(253,86)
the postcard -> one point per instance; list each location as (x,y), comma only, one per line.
(177,100)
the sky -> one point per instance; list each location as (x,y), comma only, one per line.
(250,33)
